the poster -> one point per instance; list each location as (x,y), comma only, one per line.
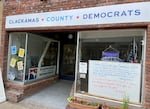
(2,91)
(13,62)
(11,75)
(13,50)
(21,52)
(33,73)
(82,67)
(114,80)
(20,65)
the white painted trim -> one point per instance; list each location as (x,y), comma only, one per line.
(25,58)
(77,61)
(143,66)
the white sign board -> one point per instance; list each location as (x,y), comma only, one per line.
(46,71)
(2,91)
(121,13)
(115,80)
(83,67)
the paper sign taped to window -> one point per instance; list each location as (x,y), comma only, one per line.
(21,52)
(20,65)
(13,50)
(83,67)
(13,62)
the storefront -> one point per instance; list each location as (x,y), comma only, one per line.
(104,49)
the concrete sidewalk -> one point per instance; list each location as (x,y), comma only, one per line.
(10,105)
(52,97)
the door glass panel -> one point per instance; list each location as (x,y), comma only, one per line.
(68,60)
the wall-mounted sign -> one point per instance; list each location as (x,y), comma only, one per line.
(122,13)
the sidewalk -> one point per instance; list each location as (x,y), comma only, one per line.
(52,97)
(10,105)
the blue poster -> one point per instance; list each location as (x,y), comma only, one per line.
(13,50)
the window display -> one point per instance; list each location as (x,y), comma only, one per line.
(31,57)
(110,56)
(17,57)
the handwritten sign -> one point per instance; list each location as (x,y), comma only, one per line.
(2,92)
(115,79)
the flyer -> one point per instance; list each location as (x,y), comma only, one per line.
(21,52)
(20,65)
(13,50)
(13,62)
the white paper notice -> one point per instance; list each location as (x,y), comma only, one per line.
(82,67)
(2,92)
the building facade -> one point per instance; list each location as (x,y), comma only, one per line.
(1,13)
(102,45)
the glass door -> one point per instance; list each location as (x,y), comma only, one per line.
(68,62)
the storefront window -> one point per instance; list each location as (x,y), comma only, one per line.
(16,57)
(31,57)
(109,64)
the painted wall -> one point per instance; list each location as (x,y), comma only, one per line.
(34,6)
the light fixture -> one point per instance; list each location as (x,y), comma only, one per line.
(70,36)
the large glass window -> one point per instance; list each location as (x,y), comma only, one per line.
(16,57)
(31,57)
(110,63)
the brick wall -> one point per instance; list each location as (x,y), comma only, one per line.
(13,7)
